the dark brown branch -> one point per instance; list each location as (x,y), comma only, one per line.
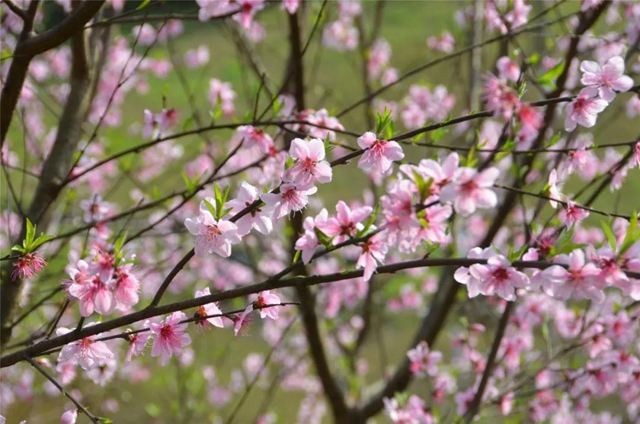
(242,291)
(78,405)
(54,170)
(448,57)
(474,406)
(16,75)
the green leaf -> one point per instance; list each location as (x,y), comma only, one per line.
(187,123)
(210,207)
(31,233)
(632,236)
(322,238)
(611,238)
(105,420)
(437,134)
(19,248)
(144,4)
(370,220)
(522,89)
(43,238)
(534,59)
(548,80)
(382,121)
(296,257)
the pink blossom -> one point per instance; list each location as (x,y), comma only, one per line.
(212,8)
(212,236)
(222,92)
(606,80)
(241,323)
(171,337)
(291,5)
(145,34)
(373,250)
(470,190)
(289,199)
(497,277)
(572,214)
(126,288)
(137,344)
(346,223)
(379,56)
(207,310)
(446,43)
(517,17)
(340,35)
(86,352)
(578,281)
(379,154)
(255,137)
(69,417)
(265,299)
(423,361)
(27,266)
(583,110)
(508,69)
(93,293)
(322,125)
(310,166)
(258,218)
(555,189)
(94,209)
(197,57)
(501,99)
(308,242)
(441,173)
(248,9)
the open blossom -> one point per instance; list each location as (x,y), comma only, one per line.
(92,292)
(171,337)
(27,266)
(248,9)
(222,92)
(423,361)
(373,250)
(207,310)
(125,288)
(379,154)
(289,199)
(607,79)
(340,35)
(69,417)
(446,43)
(308,242)
(470,190)
(501,99)
(555,189)
(94,209)
(265,299)
(137,343)
(583,110)
(572,214)
(310,166)
(212,236)
(508,69)
(346,223)
(441,173)
(253,136)
(497,277)
(86,352)
(257,218)
(579,280)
